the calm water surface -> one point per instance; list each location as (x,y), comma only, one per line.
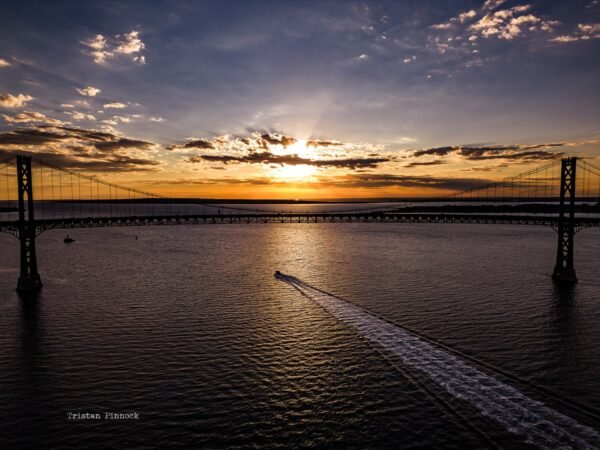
(188,327)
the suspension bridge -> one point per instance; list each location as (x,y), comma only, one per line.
(36,196)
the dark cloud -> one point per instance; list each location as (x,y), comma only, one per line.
(110,163)
(508,152)
(78,148)
(255,142)
(33,136)
(319,143)
(427,163)
(539,155)
(437,151)
(195,143)
(270,158)
(357,180)
(375,180)
(277,139)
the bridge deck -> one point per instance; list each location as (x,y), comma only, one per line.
(94,222)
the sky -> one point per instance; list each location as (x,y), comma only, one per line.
(300,99)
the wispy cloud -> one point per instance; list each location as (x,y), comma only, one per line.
(14,101)
(115,105)
(490,21)
(4,63)
(89,91)
(383,180)
(31,117)
(584,32)
(509,23)
(78,116)
(101,48)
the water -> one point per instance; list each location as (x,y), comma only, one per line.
(188,327)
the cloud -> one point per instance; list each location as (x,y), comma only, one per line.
(506,152)
(492,4)
(129,43)
(293,160)
(75,115)
(115,120)
(14,101)
(156,119)
(319,143)
(31,117)
(462,17)
(122,119)
(505,23)
(442,26)
(363,181)
(89,91)
(67,105)
(115,105)
(363,57)
(97,46)
(279,149)
(488,21)
(276,139)
(4,63)
(383,180)
(102,48)
(426,163)
(192,144)
(78,148)
(584,32)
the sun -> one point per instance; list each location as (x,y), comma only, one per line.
(301,149)
(297,172)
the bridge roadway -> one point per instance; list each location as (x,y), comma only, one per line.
(12,227)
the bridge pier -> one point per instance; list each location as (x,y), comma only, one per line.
(564,271)
(29,279)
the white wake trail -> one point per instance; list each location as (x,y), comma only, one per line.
(538,423)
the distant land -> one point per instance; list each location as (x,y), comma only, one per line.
(216,201)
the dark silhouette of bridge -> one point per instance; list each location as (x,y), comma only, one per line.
(563,195)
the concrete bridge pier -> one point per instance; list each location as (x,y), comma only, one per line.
(29,279)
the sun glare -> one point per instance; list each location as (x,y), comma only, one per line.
(294,173)
(299,148)
(299,172)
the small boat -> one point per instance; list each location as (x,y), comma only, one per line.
(68,240)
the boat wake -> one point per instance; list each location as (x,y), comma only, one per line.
(539,424)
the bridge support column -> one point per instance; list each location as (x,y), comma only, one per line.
(29,278)
(564,272)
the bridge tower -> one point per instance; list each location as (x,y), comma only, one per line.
(564,272)
(29,278)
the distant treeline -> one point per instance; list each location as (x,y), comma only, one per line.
(195,201)
(522,208)
(215,201)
